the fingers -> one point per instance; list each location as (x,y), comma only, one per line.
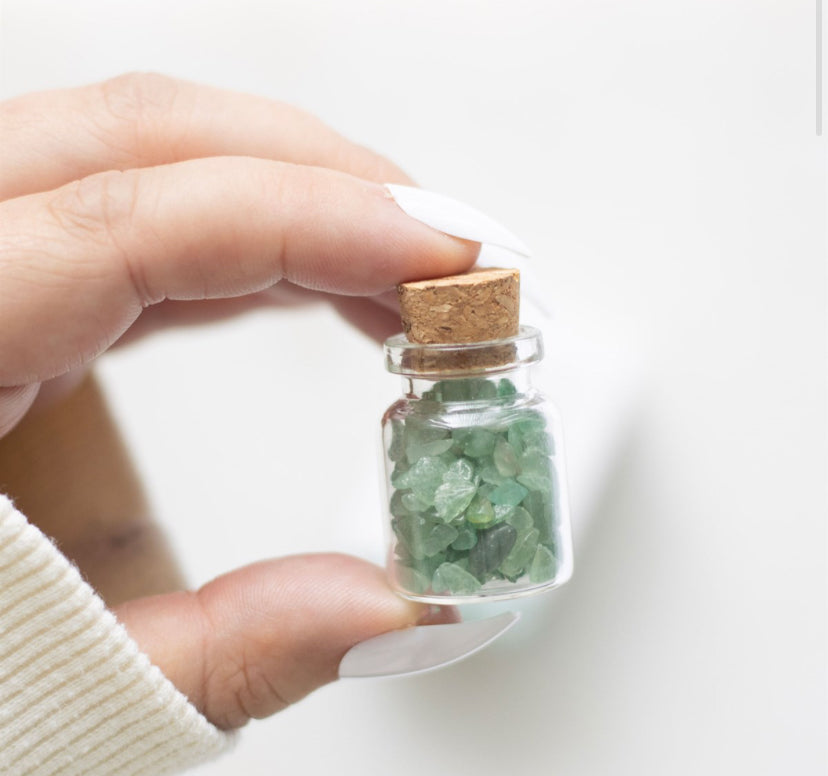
(80,263)
(144,120)
(255,640)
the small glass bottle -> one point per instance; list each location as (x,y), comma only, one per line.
(476,501)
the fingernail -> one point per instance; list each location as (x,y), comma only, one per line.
(423,647)
(453,217)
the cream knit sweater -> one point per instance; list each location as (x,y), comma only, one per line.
(76,694)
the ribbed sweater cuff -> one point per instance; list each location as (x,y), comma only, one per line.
(76,694)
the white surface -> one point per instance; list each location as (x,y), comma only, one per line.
(660,159)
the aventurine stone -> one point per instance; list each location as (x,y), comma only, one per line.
(475,504)
(439,537)
(510,493)
(505,459)
(412,579)
(480,443)
(543,565)
(520,556)
(493,545)
(451,578)
(480,513)
(466,539)
(453,496)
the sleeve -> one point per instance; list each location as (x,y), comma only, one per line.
(76,694)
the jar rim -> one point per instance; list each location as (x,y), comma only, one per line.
(462,359)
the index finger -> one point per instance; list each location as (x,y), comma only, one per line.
(80,263)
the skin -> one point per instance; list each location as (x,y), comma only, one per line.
(98,246)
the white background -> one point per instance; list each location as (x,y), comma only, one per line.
(661,159)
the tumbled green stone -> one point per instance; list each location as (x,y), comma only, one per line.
(410,531)
(493,545)
(474,503)
(468,389)
(466,538)
(453,496)
(535,471)
(412,580)
(505,459)
(488,473)
(506,387)
(502,512)
(480,512)
(397,505)
(543,565)
(515,439)
(530,420)
(412,503)
(539,440)
(424,477)
(510,493)
(541,507)
(521,521)
(438,538)
(451,578)
(461,469)
(484,489)
(414,450)
(396,449)
(399,477)
(520,556)
(480,443)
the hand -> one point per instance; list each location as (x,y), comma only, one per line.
(145,201)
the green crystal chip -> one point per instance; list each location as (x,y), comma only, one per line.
(451,578)
(453,496)
(476,503)
(506,387)
(488,473)
(535,471)
(543,566)
(505,459)
(520,520)
(412,580)
(424,478)
(480,512)
(396,450)
(493,545)
(521,555)
(461,469)
(479,443)
(411,503)
(466,539)
(438,538)
(510,493)
(414,451)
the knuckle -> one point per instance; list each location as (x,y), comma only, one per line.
(96,207)
(140,98)
(100,210)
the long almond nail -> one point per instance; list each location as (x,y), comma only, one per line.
(422,648)
(453,217)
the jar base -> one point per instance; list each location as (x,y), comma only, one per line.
(481,596)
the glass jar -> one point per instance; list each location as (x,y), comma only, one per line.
(476,505)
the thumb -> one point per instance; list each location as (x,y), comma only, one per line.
(257,639)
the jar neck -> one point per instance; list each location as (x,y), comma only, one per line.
(464,388)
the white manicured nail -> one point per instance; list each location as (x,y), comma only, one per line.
(423,648)
(455,218)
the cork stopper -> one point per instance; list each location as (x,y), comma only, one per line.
(479,306)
